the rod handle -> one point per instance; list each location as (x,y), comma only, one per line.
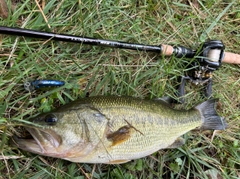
(167,50)
(178,51)
(231,58)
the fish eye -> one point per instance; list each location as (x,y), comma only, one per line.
(50,119)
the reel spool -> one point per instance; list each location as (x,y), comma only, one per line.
(211,54)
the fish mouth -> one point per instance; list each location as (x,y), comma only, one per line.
(38,140)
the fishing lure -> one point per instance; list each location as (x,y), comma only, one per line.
(37,84)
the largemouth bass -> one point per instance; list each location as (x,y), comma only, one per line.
(114,129)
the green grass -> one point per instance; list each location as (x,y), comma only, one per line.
(89,70)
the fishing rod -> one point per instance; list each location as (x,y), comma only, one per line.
(167,50)
(209,56)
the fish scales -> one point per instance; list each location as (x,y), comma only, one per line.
(115,129)
(148,136)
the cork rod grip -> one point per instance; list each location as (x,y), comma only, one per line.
(167,50)
(231,58)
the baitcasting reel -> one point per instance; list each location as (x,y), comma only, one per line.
(208,59)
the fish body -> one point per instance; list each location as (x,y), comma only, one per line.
(114,129)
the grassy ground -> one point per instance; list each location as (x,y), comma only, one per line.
(92,71)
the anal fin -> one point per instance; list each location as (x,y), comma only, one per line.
(118,161)
(177,143)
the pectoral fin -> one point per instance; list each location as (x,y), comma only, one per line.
(177,143)
(119,136)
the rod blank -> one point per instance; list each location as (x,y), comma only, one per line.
(78,39)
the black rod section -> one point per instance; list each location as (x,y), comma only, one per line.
(78,39)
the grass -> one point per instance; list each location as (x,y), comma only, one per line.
(90,70)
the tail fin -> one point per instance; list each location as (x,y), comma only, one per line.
(210,118)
